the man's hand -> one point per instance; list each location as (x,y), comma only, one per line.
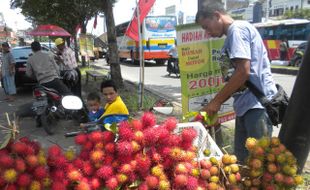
(212,108)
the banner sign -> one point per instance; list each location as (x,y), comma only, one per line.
(200,70)
(86,45)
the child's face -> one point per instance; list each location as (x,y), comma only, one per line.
(109,94)
(93,105)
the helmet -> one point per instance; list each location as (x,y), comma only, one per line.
(70,77)
(59,41)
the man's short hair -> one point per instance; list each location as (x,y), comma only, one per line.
(93,96)
(108,83)
(36,46)
(208,9)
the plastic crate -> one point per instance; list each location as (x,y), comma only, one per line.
(203,140)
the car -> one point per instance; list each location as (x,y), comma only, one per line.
(21,55)
(298,55)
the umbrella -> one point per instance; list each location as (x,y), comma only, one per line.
(49,30)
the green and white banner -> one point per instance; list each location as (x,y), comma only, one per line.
(201,75)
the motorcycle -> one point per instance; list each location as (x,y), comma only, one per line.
(173,66)
(50,106)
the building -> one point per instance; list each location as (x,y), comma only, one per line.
(279,7)
(251,13)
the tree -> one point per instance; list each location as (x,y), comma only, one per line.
(113,49)
(71,13)
(301,13)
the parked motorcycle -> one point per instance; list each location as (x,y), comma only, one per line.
(50,106)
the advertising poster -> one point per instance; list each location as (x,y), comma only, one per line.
(201,64)
(86,45)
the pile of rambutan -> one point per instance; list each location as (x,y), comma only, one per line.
(23,165)
(271,165)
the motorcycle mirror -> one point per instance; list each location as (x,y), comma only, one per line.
(72,102)
(163,110)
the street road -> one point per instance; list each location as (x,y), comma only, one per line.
(156,78)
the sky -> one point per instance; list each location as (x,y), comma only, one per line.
(123,11)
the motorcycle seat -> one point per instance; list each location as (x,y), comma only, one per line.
(50,89)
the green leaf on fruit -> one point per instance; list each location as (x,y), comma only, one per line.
(6,140)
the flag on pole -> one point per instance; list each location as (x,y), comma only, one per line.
(144,7)
(95,22)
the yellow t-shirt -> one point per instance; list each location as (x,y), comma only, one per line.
(116,107)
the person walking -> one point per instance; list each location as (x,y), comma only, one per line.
(245,50)
(69,71)
(7,74)
(283,50)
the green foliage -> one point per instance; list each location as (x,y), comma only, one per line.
(301,13)
(67,14)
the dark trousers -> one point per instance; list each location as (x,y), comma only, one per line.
(58,85)
(76,89)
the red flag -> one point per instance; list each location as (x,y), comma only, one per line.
(95,22)
(144,7)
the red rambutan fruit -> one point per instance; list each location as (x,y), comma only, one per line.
(54,150)
(148,120)
(105,172)
(57,175)
(78,163)
(88,168)
(6,161)
(124,148)
(163,135)
(188,135)
(125,132)
(95,183)
(74,175)
(138,137)
(143,186)
(180,180)
(170,124)
(35,146)
(150,136)
(152,182)
(84,154)
(83,186)
(174,140)
(88,146)
(23,180)
(112,183)
(19,148)
(108,159)
(11,187)
(3,152)
(185,145)
(58,185)
(126,169)
(59,161)
(32,161)
(125,159)
(108,136)
(40,173)
(192,183)
(97,156)
(110,148)
(95,136)
(136,125)
(121,178)
(80,139)
(144,163)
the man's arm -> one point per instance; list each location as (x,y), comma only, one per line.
(29,70)
(237,80)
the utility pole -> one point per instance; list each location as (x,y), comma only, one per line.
(267,10)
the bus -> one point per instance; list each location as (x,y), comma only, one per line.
(159,36)
(295,31)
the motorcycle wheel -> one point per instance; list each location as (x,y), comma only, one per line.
(48,123)
(298,62)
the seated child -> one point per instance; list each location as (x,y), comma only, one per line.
(115,109)
(94,107)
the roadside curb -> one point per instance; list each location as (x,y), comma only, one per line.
(161,95)
(284,71)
